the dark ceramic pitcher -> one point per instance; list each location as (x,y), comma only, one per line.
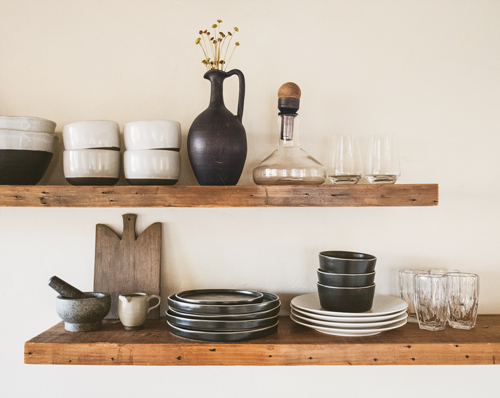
(217,143)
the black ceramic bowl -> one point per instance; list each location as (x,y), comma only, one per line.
(341,262)
(19,167)
(346,299)
(346,280)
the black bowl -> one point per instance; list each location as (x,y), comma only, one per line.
(346,299)
(346,280)
(341,262)
(23,167)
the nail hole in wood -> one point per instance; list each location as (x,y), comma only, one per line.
(375,359)
(408,346)
(456,345)
(413,359)
(179,358)
(69,361)
(270,356)
(112,359)
(466,356)
(212,349)
(29,353)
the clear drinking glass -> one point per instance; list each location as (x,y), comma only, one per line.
(345,166)
(406,292)
(463,298)
(430,299)
(382,161)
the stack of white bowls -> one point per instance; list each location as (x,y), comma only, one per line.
(92,152)
(26,148)
(152,152)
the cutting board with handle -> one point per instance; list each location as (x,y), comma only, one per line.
(128,264)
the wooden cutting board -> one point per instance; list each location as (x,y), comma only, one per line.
(130,264)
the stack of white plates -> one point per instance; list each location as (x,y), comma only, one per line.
(388,312)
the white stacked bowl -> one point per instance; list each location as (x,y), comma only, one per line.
(92,152)
(26,147)
(152,152)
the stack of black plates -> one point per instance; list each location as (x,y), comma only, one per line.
(223,314)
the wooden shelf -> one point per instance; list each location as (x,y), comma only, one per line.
(219,196)
(291,345)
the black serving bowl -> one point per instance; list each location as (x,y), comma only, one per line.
(346,280)
(341,262)
(18,167)
(346,299)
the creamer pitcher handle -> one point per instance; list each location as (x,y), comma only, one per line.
(241,96)
(157,304)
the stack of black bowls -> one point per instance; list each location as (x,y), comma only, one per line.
(346,281)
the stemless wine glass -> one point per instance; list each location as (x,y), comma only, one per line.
(463,297)
(345,166)
(430,299)
(406,292)
(382,161)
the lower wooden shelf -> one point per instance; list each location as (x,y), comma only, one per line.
(291,345)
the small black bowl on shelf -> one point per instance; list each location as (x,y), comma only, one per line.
(346,299)
(345,262)
(346,280)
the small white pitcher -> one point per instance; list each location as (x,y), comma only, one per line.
(134,308)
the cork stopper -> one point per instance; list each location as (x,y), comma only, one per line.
(289,90)
(289,98)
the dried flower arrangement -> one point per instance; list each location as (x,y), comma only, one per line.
(214,46)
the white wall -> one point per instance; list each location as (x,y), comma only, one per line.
(426,70)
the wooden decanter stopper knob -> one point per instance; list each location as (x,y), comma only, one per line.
(289,98)
(289,90)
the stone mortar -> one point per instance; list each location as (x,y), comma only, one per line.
(83,314)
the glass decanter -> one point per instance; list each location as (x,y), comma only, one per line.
(289,164)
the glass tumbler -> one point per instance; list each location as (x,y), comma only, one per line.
(405,279)
(463,298)
(345,166)
(382,162)
(430,299)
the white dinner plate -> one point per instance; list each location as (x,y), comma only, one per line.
(382,305)
(328,318)
(349,332)
(347,325)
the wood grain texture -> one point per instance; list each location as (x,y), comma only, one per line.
(292,345)
(220,196)
(130,264)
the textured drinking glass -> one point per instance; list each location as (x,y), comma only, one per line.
(430,299)
(463,298)
(405,278)
(382,161)
(345,166)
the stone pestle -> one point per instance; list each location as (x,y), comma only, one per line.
(65,289)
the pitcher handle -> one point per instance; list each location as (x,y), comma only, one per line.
(241,96)
(154,306)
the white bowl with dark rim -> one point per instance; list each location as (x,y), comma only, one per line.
(24,156)
(345,280)
(92,134)
(346,299)
(152,134)
(27,123)
(152,167)
(92,166)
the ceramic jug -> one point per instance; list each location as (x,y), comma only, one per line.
(217,143)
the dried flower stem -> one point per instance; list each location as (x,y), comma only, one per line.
(215,46)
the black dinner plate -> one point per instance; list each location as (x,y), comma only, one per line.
(269,301)
(222,336)
(220,296)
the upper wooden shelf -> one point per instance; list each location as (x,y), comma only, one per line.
(292,344)
(219,196)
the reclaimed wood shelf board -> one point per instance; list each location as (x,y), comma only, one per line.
(292,345)
(219,196)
